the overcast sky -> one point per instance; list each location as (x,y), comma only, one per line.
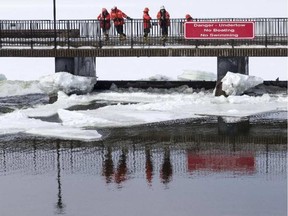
(27,69)
(43,9)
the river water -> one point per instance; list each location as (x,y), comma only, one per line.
(189,167)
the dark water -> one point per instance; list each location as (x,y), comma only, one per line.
(199,167)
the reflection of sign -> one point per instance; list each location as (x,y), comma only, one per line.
(220,163)
(219,30)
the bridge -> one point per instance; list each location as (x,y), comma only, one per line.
(75,43)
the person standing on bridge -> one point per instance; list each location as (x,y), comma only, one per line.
(164,21)
(188,18)
(118,18)
(104,18)
(146,23)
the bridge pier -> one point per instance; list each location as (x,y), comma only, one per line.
(232,64)
(80,66)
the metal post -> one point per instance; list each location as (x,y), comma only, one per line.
(131,34)
(54,17)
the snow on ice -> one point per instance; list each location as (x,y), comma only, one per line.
(197,75)
(132,107)
(66,82)
(236,84)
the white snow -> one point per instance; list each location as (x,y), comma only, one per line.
(236,84)
(16,87)
(66,82)
(140,107)
(159,77)
(197,75)
(2,77)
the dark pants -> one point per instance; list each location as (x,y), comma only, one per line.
(146,32)
(164,30)
(105,31)
(119,29)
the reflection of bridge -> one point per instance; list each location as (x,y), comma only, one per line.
(160,153)
(73,40)
(156,152)
(119,161)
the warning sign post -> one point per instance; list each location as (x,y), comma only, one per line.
(219,30)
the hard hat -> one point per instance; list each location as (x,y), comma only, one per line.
(114,8)
(162,7)
(104,9)
(146,9)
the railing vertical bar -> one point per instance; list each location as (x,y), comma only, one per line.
(131,24)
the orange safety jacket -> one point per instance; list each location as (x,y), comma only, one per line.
(104,20)
(146,20)
(118,17)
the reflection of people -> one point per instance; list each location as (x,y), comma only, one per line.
(146,23)
(108,167)
(120,175)
(104,18)
(164,21)
(166,171)
(118,18)
(148,166)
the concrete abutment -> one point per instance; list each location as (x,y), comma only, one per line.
(232,64)
(80,66)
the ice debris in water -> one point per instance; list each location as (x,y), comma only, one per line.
(2,77)
(66,82)
(237,84)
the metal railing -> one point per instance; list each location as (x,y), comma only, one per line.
(33,34)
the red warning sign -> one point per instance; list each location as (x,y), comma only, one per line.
(219,30)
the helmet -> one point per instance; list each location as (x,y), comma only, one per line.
(104,9)
(188,16)
(146,9)
(162,7)
(114,8)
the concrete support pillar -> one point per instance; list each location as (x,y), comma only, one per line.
(80,66)
(232,64)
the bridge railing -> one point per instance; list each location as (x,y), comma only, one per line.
(33,34)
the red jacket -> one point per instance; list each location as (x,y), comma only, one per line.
(118,17)
(166,17)
(146,20)
(104,20)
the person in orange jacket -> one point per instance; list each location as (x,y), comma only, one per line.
(104,18)
(164,21)
(188,18)
(118,18)
(146,23)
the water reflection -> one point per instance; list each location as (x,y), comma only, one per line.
(236,163)
(232,126)
(121,172)
(108,166)
(148,165)
(152,154)
(166,168)
(60,207)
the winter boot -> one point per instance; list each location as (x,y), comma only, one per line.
(122,37)
(146,39)
(106,37)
